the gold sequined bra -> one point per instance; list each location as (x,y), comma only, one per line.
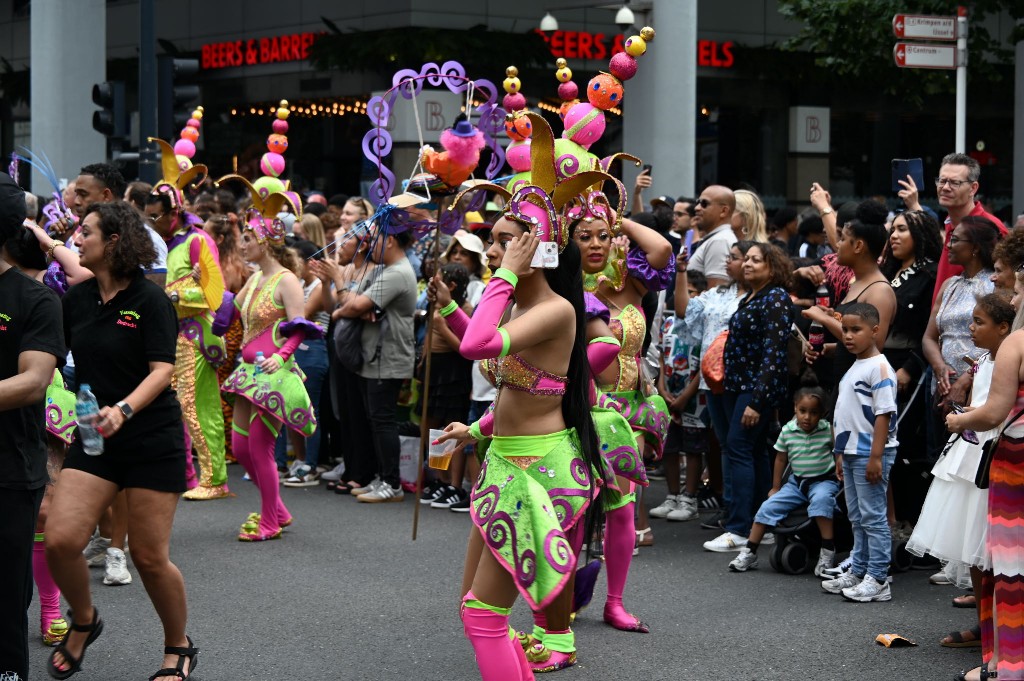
(512,371)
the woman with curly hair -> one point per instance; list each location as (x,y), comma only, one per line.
(756,382)
(1007,257)
(122,330)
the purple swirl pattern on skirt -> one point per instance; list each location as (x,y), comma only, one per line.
(193,331)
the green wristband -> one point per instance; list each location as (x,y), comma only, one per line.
(474,431)
(451,307)
(507,275)
(505,342)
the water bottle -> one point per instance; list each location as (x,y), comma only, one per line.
(821,296)
(261,378)
(88,412)
(816,336)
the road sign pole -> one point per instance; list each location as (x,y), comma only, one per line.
(961,81)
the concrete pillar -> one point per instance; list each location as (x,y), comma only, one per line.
(1018,137)
(68,56)
(660,116)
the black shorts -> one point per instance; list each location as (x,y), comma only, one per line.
(156,463)
(686,440)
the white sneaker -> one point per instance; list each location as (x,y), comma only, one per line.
(826,559)
(939,579)
(745,560)
(96,551)
(374,484)
(869,590)
(843,581)
(117,569)
(768,539)
(334,475)
(383,493)
(686,509)
(304,476)
(726,542)
(670,504)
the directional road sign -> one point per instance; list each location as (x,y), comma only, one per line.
(924,27)
(922,56)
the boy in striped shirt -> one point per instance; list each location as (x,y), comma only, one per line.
(805,443)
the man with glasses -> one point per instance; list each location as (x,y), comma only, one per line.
(713,216)
(956,186)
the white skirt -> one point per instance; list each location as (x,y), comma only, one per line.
(953,527)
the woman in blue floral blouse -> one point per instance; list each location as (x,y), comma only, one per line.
(755,383)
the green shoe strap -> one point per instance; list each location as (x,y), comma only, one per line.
(40,536)
(480,605)
(563,642)
(539,633)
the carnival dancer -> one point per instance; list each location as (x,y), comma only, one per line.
(195,285)
(537,477)
(271,388)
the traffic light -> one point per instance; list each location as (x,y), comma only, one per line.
(112,118)
(173,96)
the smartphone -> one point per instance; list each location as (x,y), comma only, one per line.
(646,168)
(968,435)
(901,167)
(688,243)
(546,256)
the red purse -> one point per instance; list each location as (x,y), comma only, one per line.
(712,365)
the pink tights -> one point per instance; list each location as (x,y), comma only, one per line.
(499,657)
(49,594)
(255,451)
(619,539)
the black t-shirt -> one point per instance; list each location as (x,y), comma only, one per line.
(113,344)
(30,320)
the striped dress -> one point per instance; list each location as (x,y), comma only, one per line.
(1006,543)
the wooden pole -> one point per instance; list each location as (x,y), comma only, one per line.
(425,388)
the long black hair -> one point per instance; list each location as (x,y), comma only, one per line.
(567,281)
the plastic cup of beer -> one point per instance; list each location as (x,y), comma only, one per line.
(439,456)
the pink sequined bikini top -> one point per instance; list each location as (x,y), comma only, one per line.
(512,371)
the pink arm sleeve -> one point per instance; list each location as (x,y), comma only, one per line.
(458,322)
(486,423)
(482,340)
(286,350)
(601,353)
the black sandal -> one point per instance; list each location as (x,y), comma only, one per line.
(94,630)
(192,653)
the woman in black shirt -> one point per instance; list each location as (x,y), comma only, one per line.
(122,331)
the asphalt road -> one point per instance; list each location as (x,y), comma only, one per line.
(346,594)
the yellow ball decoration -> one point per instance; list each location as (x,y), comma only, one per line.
(647,33)
(511,85)
(635,46)
(198,113)
(564,75)
(561,63)
(511,72)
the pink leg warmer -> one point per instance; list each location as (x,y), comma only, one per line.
(49,594)
(498,657)
(191,479)
(264,471)
(619,537)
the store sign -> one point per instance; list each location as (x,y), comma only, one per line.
(809,129)
(256,51)
(586,45)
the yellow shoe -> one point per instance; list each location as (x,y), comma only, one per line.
(204,493)
(56,632)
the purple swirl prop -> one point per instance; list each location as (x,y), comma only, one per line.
(377,142)
(54,415)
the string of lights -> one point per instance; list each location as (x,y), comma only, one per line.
(308,108)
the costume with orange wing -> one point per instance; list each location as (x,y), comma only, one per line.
(195,284)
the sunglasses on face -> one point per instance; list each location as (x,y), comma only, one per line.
(704,203)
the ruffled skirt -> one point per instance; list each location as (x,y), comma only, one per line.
(647,414)
(282,396)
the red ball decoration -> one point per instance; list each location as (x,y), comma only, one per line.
(604,91)
(280,126)
(564,109)
(568,91)
(193,123)
(518,128)
(514,102)
(190,133)
(622,66)
(277,144)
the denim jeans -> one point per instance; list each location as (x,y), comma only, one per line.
(380,400)
(746,471)
(313,362)
(866,508)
